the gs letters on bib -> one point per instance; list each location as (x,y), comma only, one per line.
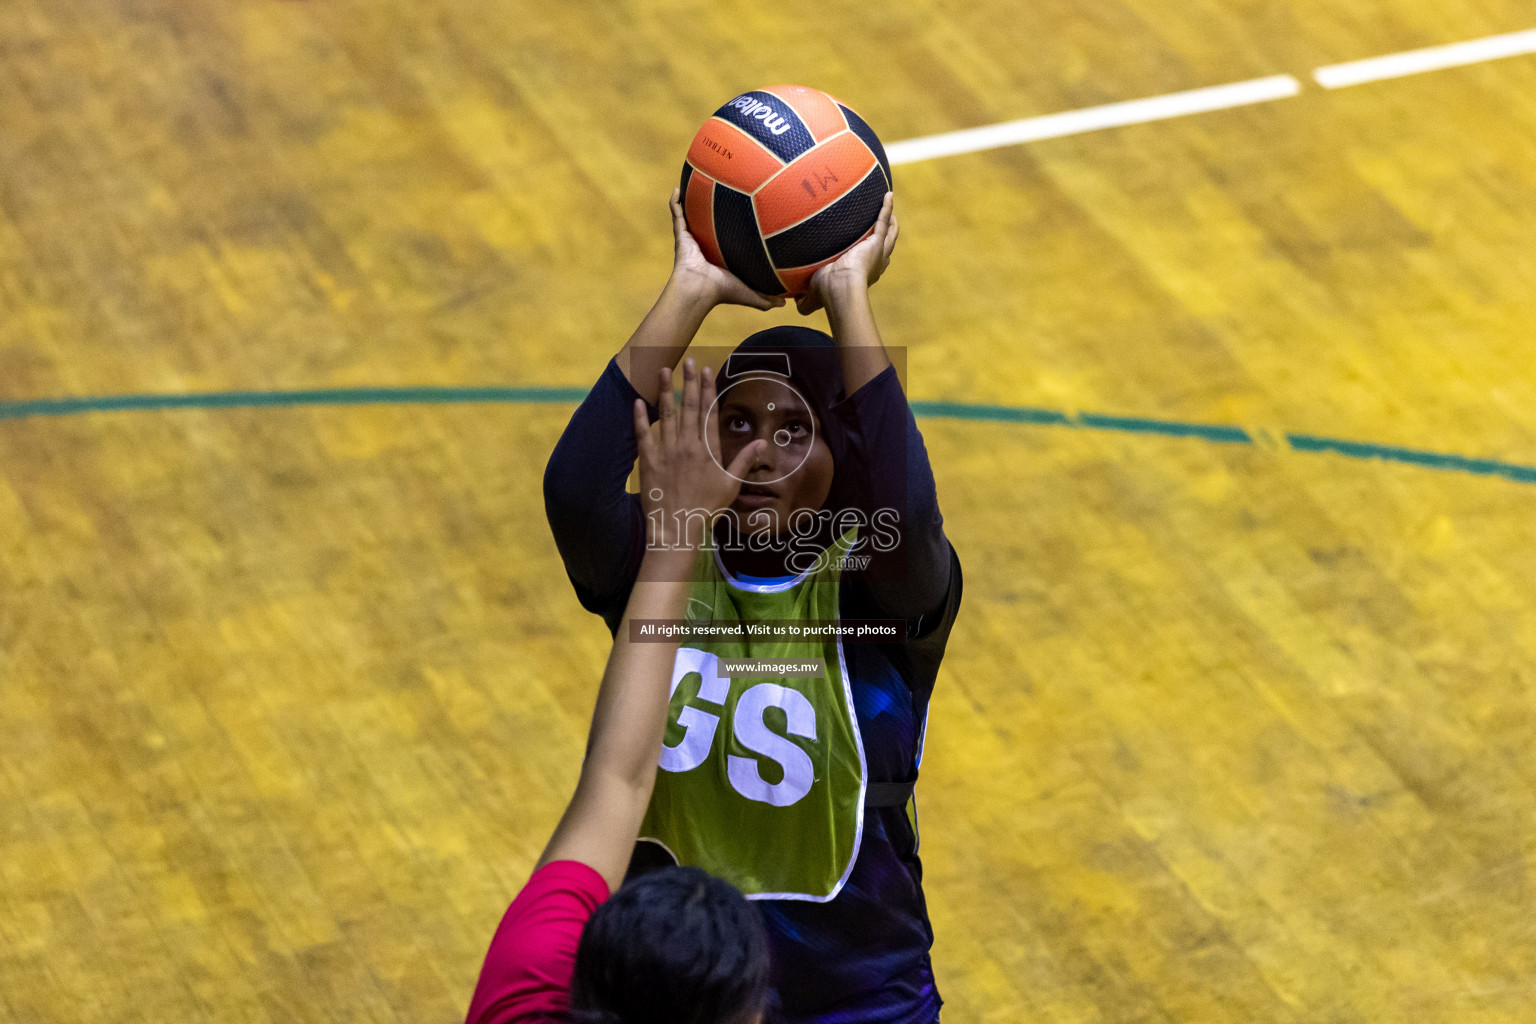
(762,780)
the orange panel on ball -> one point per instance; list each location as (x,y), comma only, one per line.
(813,182)
(730,156)
(699,209)
(817,109)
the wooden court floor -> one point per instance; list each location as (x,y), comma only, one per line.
(290,697)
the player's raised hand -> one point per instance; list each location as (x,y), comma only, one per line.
(690,268)
(861,266)
(682,484)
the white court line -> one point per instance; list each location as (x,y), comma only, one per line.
(1413,62)
(1111,115)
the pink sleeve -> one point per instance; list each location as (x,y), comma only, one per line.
(527,971)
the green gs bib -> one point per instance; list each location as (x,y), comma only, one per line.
(762,780)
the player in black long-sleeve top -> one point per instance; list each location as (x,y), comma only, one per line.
(861,956)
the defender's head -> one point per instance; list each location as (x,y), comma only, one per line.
(675,946)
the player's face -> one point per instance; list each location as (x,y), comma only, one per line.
(794,472)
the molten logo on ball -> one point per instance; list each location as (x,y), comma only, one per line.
(763,112)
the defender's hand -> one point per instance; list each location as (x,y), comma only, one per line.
(692,271)
(860,266)
(681,482)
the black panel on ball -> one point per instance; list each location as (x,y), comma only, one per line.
(833,229)
(770,121)
(682,189)
(866,134)
(740,244)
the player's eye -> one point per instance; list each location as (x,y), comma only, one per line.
(737,423)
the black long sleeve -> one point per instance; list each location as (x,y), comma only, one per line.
(599,527)
(911,581)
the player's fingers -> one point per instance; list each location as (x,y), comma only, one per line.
(760,301)
(883,222)
(890,239)
(689,427)
(810,302)
(642,427)
(744,294)
(679,221)
(668,410)
(743,461)
(711,424)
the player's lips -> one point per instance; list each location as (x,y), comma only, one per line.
(756,496)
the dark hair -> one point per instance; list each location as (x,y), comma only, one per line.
(674,946)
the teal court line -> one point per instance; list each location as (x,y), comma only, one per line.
(16,410)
